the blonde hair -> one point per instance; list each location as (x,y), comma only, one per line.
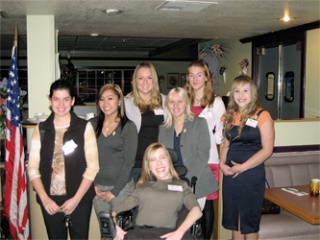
(233,106)
(208,92)
(184,96)
(155,101)
(146,174)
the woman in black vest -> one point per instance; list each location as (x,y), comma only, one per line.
(63,163)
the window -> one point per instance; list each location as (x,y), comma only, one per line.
(288,87)
(269,86)
(90,80)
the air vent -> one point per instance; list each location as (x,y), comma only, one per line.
(184,5)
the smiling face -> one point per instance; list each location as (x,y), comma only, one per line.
(61,102)
(177,106)
(242,95)
(159,164)
(144,81)
(197,78)
(109,103)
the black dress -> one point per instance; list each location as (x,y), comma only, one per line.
(243,195)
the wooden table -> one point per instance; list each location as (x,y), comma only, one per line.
(305,207)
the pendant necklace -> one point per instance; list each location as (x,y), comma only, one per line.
(198,100)
(109,127)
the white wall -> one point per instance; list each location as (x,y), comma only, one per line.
(312,99)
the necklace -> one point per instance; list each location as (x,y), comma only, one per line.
(110,127)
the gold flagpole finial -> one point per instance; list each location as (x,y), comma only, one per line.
(16,36)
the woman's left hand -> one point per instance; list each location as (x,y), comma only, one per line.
(176,235)
(69,206)
(237,168)
(108,197)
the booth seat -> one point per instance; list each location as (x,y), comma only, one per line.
(290,169)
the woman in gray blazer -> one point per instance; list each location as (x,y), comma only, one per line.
(189,137)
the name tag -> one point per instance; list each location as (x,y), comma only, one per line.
(175,188)
(158,111)
(69,147)
(252,123)
(206,115)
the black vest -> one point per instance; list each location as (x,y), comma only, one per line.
(75,162)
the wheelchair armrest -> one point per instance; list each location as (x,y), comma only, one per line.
(193,183)
(107,226)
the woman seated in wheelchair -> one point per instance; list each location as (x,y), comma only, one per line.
(158,196)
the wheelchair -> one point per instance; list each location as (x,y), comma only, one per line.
(126,219)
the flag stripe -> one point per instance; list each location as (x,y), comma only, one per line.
(15,197)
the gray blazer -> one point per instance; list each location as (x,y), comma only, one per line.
(195,148)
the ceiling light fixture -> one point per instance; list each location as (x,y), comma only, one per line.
(184,5)
(112,11)
(94,34)
(287,18)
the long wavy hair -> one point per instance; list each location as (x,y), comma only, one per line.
(121,109)
(146,174)
(183,94)
(208,92)
(234,108)
(155,101)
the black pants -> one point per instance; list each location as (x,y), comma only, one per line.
(208,219)
(79,227)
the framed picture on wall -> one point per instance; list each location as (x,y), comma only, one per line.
(172,80)
(183,79)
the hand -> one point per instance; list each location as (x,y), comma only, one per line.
(176,235)
(236,168)
(108,197)
(99,194)
(120,233)
(69,206)
(226,169)
(50,206)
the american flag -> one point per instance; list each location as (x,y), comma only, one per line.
(15,195)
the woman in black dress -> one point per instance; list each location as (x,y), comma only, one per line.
(248,142)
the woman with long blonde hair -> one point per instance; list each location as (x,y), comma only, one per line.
(248,143)
(159,196)
(144,106)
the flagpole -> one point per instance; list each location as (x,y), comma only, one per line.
(15,43)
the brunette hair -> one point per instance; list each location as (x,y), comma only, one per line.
(62,85)
(146,174)
(121,109)
(233,106)
(155,101)
(208,92)
(184,96)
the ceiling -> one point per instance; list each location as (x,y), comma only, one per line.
(142,30)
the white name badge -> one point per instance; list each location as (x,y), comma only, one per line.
(206,115)
(158,111)
(252,123)
(176,188)
(69,147)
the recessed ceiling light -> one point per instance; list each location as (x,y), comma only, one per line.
(112,11)
(94,34)
(287,18)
